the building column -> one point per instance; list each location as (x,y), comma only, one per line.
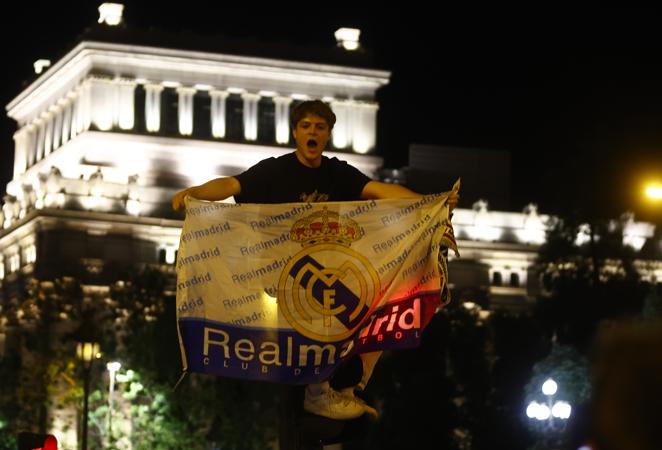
(84,119)
(185,110)
(39,144)
(65,104)
(104,100)
(218,113)
(81,113)
(48,118)
(125,103)
(364,128)
(56,110)
(21,150)
(250,115)
(282,119)
(153,107)
(31,145)
(112,103)
(73,126)
(342,131)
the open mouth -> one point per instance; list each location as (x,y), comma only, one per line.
(312,143)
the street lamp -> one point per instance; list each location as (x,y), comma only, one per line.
(112,367)
(546,412)
(87,349)
(654,191)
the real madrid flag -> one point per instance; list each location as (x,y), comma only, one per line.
(285,292)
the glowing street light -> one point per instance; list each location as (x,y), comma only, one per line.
(561,410)
(549,387)
(113,367)
(545,413)
(654,191)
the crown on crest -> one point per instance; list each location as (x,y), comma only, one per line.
(325,227)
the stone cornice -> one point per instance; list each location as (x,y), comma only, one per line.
(217,70)
(93,222)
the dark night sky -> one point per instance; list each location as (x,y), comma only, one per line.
(574,95)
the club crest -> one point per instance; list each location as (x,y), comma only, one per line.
(327,289)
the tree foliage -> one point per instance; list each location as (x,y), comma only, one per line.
(135,323)
(588,275)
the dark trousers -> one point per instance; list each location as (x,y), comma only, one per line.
(298,432)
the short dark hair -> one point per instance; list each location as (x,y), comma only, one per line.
(317,107)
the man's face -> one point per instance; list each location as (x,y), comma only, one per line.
(311,134)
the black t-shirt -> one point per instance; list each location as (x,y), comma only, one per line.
(285,180)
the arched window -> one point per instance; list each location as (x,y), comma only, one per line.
(497,279)
(162,256)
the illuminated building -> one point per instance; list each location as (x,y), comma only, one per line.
(109,132)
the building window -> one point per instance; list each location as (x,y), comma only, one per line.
(514,280)
(140,106)
(266,125)
(202,115)
(234,107)
(497,279)
(170,112)
(162,256)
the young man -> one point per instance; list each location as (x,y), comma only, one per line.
(307,176)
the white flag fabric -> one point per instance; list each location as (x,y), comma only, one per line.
(286,292)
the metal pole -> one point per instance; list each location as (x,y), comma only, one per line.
(86,392)
(550,405)
(110,404)
(112,367)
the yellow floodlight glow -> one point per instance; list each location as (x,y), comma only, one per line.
(654,191)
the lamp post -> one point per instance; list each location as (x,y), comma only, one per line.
(112,367)
(654,191)
(653,200)
(551,415)
(86,350)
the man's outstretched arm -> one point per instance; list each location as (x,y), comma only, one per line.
(216,189)
(377,189)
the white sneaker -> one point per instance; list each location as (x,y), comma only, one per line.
(333,405)
(349,393)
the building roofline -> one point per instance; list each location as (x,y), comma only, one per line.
(68,70)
